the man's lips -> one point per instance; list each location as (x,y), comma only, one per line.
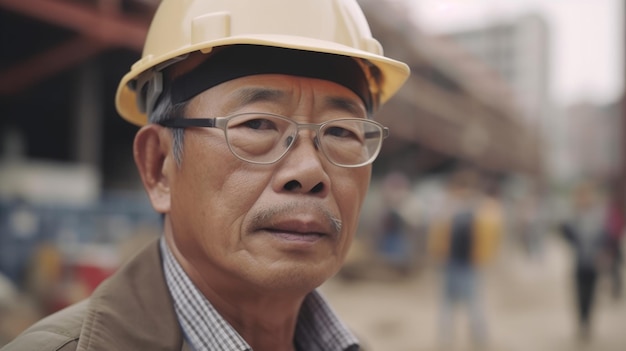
(299,228)
(297,237)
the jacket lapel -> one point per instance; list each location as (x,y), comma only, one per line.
(133,310)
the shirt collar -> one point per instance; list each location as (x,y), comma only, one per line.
(317,329)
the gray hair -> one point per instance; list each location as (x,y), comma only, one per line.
(163,110)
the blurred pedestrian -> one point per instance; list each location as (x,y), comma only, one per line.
(615,230)
(400,219)
(586,232)
(20,229)
(531,223)
(464,237)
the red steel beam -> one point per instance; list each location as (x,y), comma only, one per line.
(19,77)
(112,28)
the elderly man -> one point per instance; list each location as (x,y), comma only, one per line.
(256,145)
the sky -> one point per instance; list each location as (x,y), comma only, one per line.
(587,39)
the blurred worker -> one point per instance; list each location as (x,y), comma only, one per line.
(615,223)
(463,237)
(256,145)
(399,222)
(586,231)
(530,226)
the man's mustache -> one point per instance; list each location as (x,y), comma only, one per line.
(266,217)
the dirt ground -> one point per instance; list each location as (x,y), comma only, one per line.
(528,303)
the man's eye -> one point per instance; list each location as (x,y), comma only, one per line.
(260,124)
(339,132)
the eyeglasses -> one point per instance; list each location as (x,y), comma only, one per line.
(264,138)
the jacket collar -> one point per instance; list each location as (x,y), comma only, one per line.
(133,310)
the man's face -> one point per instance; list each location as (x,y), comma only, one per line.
(270,227)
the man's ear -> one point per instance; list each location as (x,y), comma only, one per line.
(154,159)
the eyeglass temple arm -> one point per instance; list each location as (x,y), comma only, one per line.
(188,122)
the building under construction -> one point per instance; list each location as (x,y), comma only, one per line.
(62,61)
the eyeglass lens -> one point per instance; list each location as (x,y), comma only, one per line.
(262,138)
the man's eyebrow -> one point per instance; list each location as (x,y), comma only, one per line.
(247,96)
(250,95)
(349,106)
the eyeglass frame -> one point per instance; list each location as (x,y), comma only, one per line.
(222,123)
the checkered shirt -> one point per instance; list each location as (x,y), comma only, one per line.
(317,329)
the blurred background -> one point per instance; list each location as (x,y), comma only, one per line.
(495,219)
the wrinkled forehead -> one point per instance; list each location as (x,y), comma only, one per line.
(201,72)
(279,94)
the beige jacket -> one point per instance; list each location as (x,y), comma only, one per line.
(132,310)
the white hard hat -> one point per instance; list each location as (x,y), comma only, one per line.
(181,27)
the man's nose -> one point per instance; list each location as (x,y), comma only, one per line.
(303,168)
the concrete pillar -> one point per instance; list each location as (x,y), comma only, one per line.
(88,116)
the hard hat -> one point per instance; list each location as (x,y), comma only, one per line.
(180,27)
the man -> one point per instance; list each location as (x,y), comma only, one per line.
(258,153)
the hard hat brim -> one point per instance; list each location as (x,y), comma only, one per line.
(394,72)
